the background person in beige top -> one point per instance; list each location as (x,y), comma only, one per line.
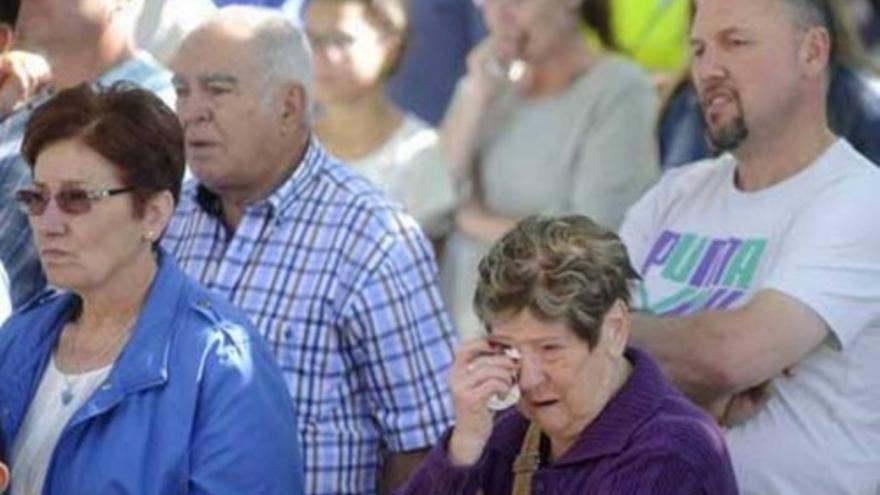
(358,45)
(543,122)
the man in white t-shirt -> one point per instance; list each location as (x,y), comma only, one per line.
(761,268)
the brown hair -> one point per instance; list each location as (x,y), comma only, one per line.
(560,268)
(130,127)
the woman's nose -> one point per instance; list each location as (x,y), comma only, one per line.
(531,375)
(51,221)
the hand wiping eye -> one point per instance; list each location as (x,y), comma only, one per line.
(498,402)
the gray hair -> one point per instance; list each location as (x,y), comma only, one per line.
(284,49)
(564,268)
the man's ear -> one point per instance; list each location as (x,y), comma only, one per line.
(295,102)
(4,477)
(7,35)
(815,51)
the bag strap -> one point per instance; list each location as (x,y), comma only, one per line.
(527,461)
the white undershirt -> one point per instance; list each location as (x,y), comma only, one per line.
(44,422)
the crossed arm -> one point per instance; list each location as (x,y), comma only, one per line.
(714,355)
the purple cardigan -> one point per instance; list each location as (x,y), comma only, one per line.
(649,439)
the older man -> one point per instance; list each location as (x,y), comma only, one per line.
(341,283)
(764,264)
(82,40)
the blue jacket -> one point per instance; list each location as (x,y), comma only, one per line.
(193,405)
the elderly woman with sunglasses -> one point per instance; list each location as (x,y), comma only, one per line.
(594,416)
(130,378)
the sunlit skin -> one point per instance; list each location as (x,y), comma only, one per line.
(55,21)
(97,250)
(745,65)
(242,135)
(564,384)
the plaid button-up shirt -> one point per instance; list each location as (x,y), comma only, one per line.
(343,286)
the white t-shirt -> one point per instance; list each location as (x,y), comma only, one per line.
(5,300)
(163,24)
(699,243)
(410,168)
(46,418)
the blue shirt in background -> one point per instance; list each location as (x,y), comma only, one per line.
(442,33)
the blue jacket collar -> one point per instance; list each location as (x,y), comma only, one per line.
(144,359)
(281,200)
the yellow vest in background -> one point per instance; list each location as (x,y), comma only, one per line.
(653,32)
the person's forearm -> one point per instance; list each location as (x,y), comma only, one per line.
(690,352)
(714,354)
(460,130)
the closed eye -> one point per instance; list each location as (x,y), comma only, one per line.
(218,89)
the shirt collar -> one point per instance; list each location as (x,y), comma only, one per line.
(280,201)
(635,403)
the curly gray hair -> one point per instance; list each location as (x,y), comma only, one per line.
(560,268)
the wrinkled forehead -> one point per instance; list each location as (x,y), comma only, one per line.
(73,161)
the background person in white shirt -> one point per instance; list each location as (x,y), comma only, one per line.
(768,257)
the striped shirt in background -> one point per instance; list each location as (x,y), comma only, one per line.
(344,287)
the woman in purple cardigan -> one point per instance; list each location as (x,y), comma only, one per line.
(593,416)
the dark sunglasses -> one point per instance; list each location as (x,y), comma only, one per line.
(72,200)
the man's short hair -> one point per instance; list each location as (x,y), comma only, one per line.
(564,268)
(819,13)
(9,11)
(282,48)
